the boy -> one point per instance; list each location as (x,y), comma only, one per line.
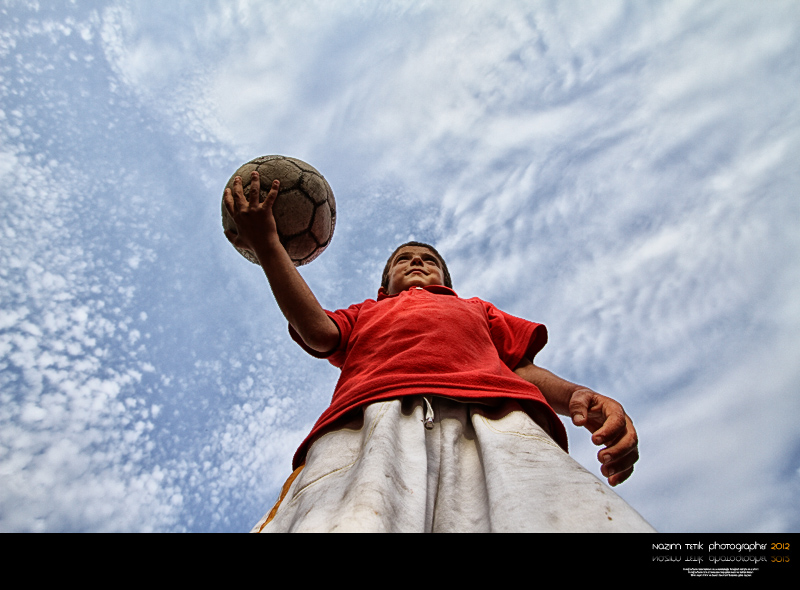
(440,420)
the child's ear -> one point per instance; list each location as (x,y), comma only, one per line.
(382,291)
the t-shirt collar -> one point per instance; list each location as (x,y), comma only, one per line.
(437,289)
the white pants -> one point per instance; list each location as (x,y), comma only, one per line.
(479,469)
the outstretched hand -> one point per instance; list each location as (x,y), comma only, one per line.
(610,426)
(254,220)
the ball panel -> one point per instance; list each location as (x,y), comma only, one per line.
(227,221)
(315,187)
(301,247)
(293,212)
(286,172)
(332,207)
(249,255)
(331,202)
(304,166)
(321,226)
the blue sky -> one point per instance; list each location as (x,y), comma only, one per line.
(624,172)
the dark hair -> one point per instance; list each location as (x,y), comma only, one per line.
(385,278)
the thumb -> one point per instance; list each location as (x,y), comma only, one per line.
(579,406)
(235,239)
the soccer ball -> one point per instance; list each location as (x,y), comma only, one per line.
(304,210)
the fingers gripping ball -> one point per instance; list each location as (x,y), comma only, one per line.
(304,210)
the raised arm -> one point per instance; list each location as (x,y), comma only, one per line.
(604,417)
(257,232)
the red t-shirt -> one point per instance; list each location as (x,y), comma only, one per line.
(429,341)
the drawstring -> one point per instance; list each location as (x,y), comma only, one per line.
(428,421)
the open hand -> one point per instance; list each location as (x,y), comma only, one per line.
(254,220)
(610,426)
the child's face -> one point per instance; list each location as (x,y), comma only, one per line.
(414,266)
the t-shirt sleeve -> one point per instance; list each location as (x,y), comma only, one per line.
(513,337)
(344,319)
